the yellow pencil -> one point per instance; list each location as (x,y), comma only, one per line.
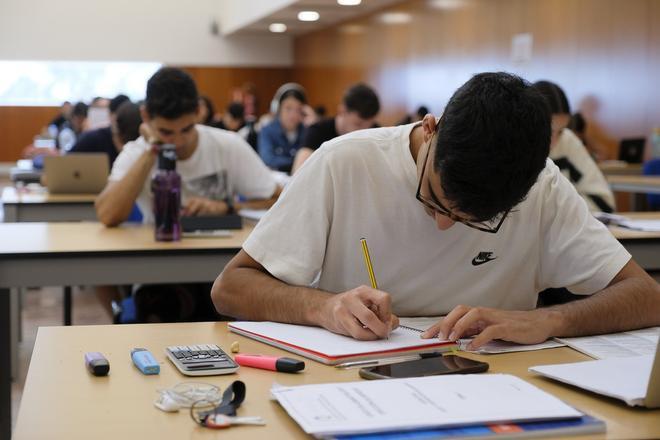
(370,269)
(367,262)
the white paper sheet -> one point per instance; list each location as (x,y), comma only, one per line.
(642,225)
(252,214)
(616,345)
(622,378)
(493,347)
(435,401)
(651,225)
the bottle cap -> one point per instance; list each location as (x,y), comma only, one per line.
(167,157)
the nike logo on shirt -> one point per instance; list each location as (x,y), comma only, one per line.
(483,257)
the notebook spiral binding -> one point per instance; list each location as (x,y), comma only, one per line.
(411,328)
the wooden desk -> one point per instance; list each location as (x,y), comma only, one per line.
(643,246)
(641,184)
(61,400)
(30,205)
(635,185)
(60,254)
(616,168)
(45,207)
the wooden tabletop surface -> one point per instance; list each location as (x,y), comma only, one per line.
(31,238)
(11,195)
(62,400)
(634,180)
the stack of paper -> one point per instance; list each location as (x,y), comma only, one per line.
(418,403)
(622,378)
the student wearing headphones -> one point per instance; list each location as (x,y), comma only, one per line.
(279,141)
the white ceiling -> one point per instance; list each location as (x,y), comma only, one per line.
(330,11)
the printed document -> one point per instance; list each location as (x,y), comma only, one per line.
(423,402)
(616,345)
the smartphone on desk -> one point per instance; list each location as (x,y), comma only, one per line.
(430,366)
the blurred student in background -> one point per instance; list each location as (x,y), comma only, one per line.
(358,110)
(101,140)
(571,156)
(280,139)
(419,114)
(64,132)
(578,125)
(234,120)
(58,121)
(126,124)
(206,113)
(73,127)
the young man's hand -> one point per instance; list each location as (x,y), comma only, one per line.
(148,134)
(203,206)
(486,324)
(362,313)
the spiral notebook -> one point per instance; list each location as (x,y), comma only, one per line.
(330,348)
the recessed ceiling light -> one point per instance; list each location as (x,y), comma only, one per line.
(308,16)
(277,27)
(349,2)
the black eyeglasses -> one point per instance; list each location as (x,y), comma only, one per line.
(491,226)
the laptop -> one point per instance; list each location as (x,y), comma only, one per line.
(632,150)
(76,173)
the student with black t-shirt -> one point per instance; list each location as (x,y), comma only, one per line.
(358,111)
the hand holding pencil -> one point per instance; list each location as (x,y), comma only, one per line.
(364,312)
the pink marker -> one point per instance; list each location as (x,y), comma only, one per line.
(283,364)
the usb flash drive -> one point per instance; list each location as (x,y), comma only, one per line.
(96,363)
(283,364)
(145,361)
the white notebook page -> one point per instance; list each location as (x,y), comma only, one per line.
(324,341)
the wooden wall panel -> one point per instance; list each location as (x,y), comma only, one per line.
(19,125)
(604,53)
(217,83)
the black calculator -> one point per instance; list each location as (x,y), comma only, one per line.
(201,360)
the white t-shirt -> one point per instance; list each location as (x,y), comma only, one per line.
(363,185)
(571,156)
(222,165)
